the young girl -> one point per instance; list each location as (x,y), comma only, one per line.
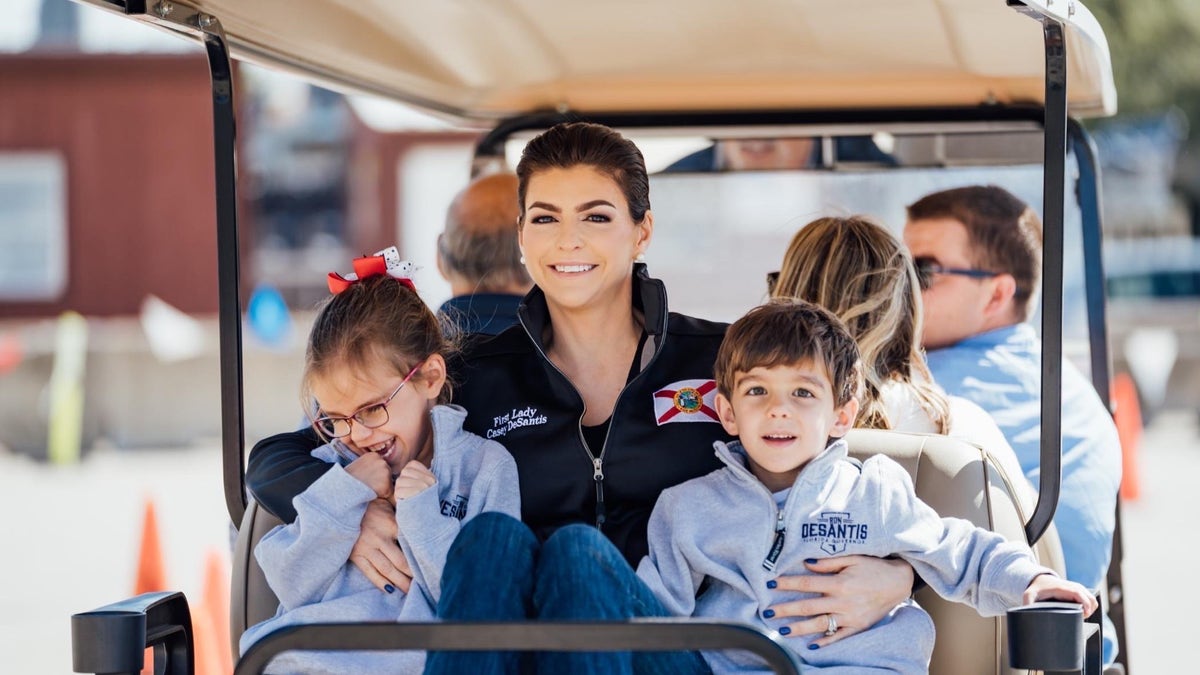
(375,374)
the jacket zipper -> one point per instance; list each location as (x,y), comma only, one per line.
(777,545)
(598,477)
(780,524)
(780,536)
(597,461)
(772,558)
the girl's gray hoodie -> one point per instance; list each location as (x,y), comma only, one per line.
(306,562)
(724,531)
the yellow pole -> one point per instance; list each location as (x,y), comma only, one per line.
(65,437)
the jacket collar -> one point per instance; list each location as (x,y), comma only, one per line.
(649,296)
(487,313)
(447,422)
(1019,333)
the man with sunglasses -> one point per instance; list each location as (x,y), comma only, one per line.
(978,253)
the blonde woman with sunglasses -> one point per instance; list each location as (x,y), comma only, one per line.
(860,271)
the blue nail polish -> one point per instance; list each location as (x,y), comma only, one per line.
(771,584)
(811,561)
(785,630)
(814,646)
(768,613)
(389,588)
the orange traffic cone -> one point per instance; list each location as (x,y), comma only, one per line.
(10,352)
(210,659)
(1127,414)
(150,573)
(216,603)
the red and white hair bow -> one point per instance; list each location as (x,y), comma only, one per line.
(386,262)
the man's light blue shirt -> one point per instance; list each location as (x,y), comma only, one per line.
(1001,371)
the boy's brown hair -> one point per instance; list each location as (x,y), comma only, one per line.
(785,332)
(1005,234)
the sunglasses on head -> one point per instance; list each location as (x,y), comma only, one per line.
(772,279)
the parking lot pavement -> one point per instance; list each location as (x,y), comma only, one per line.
(72,534)
(1161,547)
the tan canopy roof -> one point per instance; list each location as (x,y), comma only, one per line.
(486,59)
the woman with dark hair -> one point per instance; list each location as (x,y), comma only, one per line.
(604,398)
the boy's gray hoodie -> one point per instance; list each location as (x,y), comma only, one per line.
(725,528)
(306,562)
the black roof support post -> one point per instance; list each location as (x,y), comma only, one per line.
(186,20)
(1053,198)
(1089,197)
(1087,191)
(228,269)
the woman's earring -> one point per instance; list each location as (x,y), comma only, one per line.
(640,257)
(522,260)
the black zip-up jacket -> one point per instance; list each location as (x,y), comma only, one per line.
(516,396)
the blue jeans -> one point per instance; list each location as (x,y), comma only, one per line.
(497,571)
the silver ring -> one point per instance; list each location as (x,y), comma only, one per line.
(833,627)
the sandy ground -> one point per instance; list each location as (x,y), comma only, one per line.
(71,538)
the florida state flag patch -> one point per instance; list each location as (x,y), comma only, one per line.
(686,401)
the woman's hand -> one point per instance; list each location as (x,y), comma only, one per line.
(856,590)
(377,553)
(413,478)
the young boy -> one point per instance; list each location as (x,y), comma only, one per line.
(787,374)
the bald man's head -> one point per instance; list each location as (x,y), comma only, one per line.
(478,252)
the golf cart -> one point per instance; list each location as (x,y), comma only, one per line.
(945,84)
